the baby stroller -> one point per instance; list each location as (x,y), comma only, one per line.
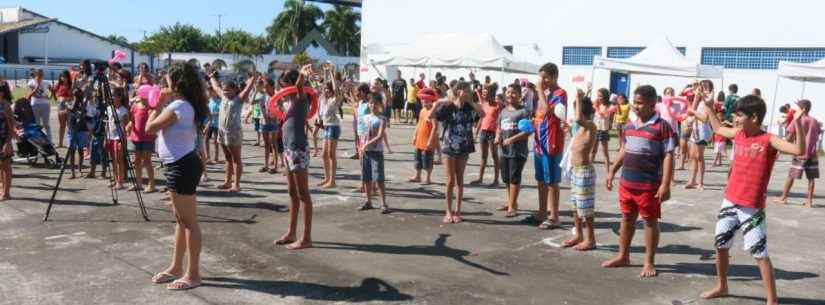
(33,142)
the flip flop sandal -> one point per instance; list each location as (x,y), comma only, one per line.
(273,171)
(365,207)
(511,214)
(548,225)
(385,209)
(263,169)
(183,285)
(163,277)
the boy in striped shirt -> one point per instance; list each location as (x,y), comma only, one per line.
(646,160)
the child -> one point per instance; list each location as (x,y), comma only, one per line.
(512,142)
(548,146)
(457,116)
(78,132)
(808,163)
(296,155)
(703,95)
(230,134)
(211,130)
(6,135)
(719,144)
(424,137)
(744,202)
(98,154)
(372,151)
(622,115)
(255,113)
(332,130)
(486,133)
(113,143)
(143,143)
(647,170)
(603,119)
(270,128)
(583,178)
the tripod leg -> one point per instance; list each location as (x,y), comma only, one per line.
(69,153)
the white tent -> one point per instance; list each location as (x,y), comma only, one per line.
(454,51)
(812,72)
(659,58)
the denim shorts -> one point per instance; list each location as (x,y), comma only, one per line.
(148,146)
(332,132)
(372,166)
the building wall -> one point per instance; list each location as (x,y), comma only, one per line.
(65,42)
(552,25)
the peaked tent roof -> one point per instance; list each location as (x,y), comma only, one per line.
(814,72)
(660,57)
(455,51)
(317,37)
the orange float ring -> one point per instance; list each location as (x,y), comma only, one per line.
(275,101)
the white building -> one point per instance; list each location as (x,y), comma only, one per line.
(28,38)
(747,37)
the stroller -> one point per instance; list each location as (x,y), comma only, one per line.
(33,142)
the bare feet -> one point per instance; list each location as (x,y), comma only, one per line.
(234,189)
(586,246)
(301,244)
(780,200)
(477,181)
(223,186)
(322,183)
(690,186)
(572,242)
(616,262)
(428,182)
(716,292)
(328,185)
(414,179)
(809,204)
(288,238)
(648,271)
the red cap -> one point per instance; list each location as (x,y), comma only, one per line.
(428,94)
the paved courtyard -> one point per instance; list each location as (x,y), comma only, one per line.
(93,252)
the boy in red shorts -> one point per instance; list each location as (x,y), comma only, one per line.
(755,152)
(646,159)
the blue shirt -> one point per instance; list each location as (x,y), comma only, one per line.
(214,109)
(363,110)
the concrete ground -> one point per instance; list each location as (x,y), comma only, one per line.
(93,252)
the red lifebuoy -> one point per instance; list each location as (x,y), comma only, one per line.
(275,101)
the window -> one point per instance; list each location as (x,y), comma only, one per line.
(627,52)
(579,56)
(759,58)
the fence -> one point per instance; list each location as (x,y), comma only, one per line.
(18,75)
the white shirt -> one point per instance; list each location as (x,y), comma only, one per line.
(177,140)
(39,96)
(111,133)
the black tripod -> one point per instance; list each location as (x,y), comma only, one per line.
(100,83)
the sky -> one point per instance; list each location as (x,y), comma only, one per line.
(130,18)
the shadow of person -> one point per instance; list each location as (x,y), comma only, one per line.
(371,289)
(735,272)
(439,248)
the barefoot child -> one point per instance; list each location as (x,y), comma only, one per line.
(425,137)
(514,128)
(230,134)
(583,178)
(647,169)
(6,135)
(486,133)
(808,163)
(331,103)
(296,154)
(372,151)
(744,202)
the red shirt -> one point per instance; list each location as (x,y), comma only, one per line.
(420,84)
(549,138)
(752,165)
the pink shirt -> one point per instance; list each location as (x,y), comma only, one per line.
(140,116)
(813,128)
(488,123)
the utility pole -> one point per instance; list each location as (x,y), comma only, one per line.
(220,40)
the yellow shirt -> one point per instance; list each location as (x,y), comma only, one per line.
(412,91)
(623,113)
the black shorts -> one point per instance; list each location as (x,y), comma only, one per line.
(182,176)
(487,136)
(211,133)
(602,136)
(511,170)
(279,145)
(398,104)
(423,159)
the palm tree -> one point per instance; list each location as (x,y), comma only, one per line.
(292,23)
(119,39)
(342,28)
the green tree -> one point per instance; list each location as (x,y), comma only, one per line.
(118,39)
(175,38)
(301,59)
(293,23)
(342,28)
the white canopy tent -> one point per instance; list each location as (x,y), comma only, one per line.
(812,72)
(661,58)
(454,51)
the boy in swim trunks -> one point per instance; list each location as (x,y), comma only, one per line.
(744,203)
(646,161)
(583,178)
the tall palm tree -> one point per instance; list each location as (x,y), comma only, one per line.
(342,28)
(292,23)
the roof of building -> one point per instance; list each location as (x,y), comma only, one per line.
(317,37)
(41,19)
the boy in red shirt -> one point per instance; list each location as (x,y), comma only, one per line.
(646,160)
(744,205)
(425,137)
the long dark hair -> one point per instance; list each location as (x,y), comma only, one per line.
(187,83)
(5,91)
(64,75)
